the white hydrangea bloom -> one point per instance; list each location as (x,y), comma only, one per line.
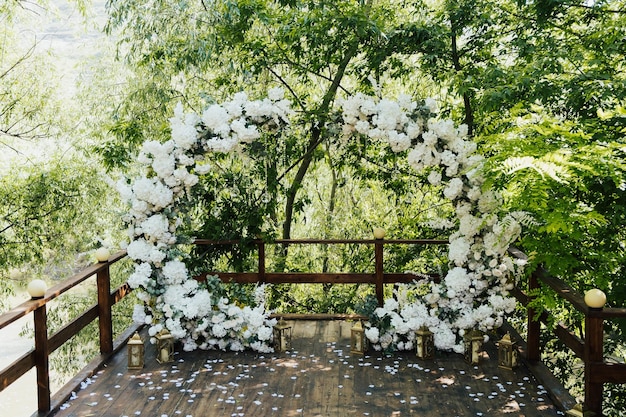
(458,280)
(453,189)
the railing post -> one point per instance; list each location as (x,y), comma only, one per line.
(41,358)
(261,261)
(594,355)
(534,325)
(104,310)
(378,259)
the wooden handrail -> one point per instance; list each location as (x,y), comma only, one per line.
(597,371)
(45,345)
(379,278)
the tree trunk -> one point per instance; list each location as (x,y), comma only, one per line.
(467,99)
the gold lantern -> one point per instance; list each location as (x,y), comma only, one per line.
(472,344)
(165,347)
(507,353)
(579,411)
(135,352)
(359,342)
(425,343)
(282,336)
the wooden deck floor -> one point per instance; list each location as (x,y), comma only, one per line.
(318,378)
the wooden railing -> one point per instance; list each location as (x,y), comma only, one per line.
(597,371)
(45,345)
(378,277)
(590,350)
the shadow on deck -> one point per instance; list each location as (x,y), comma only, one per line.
(318,378)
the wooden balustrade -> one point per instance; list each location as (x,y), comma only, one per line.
(377,277)
(590,350)
(45,344)
(597,371)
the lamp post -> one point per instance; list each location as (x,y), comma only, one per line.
(425,343)
(359,342)
(282,336)
(135,352)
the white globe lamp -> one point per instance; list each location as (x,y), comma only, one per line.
(37,288)
(379,233)
(102,254)
(595,298)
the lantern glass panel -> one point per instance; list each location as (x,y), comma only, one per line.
(165,347)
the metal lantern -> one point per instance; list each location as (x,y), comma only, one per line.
(282,336)
(425,342)
(507,353)
(359,342)
(472,344)
(579,411)
(165,347)
(135,352)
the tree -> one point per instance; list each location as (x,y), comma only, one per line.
(49,196)
(251,43)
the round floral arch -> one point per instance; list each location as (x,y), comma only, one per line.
(472,294)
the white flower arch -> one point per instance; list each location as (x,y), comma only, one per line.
(473,294)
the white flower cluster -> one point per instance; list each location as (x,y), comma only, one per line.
(231,327)
(174,299)
(480,272)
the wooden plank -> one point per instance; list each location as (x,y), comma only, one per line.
(593,354)
(105,318)
(319,377)
(314,278)
(41,359)
(572,341)
(20,311)
(379,267)
(120,292)
(319,278)
(74,384)
(612,373)
(72,328)
(17,369)
(608,312)
(565,291)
